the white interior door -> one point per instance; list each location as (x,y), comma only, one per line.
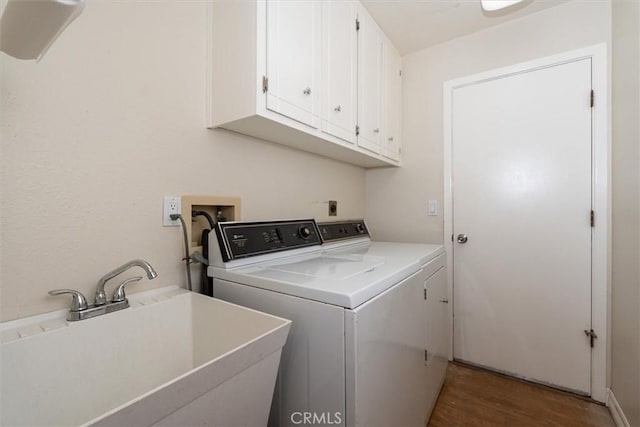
(521,183)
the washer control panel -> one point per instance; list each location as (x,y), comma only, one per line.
(246,239)
(341,230)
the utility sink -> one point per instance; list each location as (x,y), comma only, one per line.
(173,358)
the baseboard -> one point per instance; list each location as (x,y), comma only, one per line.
(616,411)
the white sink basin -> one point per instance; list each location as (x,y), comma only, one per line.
(173,358)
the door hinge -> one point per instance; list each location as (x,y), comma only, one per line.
(425,293)
(265,84)
(426,355)
(400,72)
(593,218)
(592,336)
(593,98)
(357,24)
(357,130)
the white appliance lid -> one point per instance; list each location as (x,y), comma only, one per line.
(331,267)
(346,277)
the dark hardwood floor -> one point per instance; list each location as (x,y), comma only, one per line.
(474,397)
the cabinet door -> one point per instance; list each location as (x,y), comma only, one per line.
(437,334)
(437,337)
(293,59)
(370,45)
(392,104)
(339,57)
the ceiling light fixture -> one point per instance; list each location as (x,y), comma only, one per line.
(491,5)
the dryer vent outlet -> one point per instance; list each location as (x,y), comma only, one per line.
(333,208)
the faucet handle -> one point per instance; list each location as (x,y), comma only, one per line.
(118,294)
(78,303)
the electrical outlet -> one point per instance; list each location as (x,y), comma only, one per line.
(172,205)
(333,208)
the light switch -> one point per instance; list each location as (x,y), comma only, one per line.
(433,208)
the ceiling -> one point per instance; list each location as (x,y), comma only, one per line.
(417,24)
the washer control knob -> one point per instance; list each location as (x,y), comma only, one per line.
(359,228)
(304,232)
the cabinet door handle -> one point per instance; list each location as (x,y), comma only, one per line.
(338,108)
(444,300)
(307,91)
(390,139)
(376,130)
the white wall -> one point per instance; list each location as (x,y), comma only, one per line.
(112,119)
(625,302)
(397,198)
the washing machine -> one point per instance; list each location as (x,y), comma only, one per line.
(357,353)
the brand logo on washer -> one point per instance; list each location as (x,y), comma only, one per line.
(315,418)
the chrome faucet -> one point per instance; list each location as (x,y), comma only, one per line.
(80,310)
(101,296)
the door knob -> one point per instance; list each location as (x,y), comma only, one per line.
(337,109)
(462,238)
(307,91)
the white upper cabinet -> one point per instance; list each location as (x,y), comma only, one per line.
(293,59)
(339,65)
(370,48)
(392,103)
(299,73)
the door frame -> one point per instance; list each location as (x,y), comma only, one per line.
(601,194)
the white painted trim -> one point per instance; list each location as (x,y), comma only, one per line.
(616,411)
(448,202)
(601,248)
(601,175)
